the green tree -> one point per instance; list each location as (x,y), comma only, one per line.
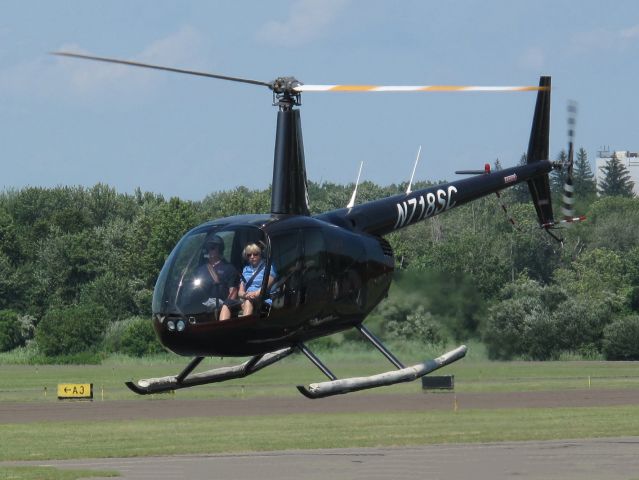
(507,323)
(520,323)
(104,205)
(160,231)
(583,179)
(520,191)
(476,256)
(621,339)
(8,287)
(557,176)
(111,292)
(239,201)
(599,273)
(526,247)
(612,224)
(66,330)
(579,324)
(449,300)
(64,263)
(9,244)
(134,336)
(616,181)
(417,325)
(10,330)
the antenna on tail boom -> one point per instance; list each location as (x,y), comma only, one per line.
(351,202)
(410,184)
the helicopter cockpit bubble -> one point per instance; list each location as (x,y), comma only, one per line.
(201,277)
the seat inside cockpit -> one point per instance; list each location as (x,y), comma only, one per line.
(203,273)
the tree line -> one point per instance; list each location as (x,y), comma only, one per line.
(78,266)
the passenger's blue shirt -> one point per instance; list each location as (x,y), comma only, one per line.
(256,284)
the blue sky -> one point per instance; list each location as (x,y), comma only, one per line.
(71,122)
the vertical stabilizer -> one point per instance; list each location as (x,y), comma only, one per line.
(537,151)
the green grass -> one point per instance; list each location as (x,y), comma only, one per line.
(60,440)
(50,473)
(57,440)
(30,383)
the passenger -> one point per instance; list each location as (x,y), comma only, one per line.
(253,277)
(219,279)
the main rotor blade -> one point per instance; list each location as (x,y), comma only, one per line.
(425,88)
(159,67)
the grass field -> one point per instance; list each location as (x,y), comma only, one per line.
(50,473)
(56,440)
(28,383)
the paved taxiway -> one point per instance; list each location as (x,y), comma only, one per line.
(167,407)
(595,459)
(611,459)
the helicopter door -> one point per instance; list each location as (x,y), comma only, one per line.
(347,271)
(286,257)
(300,259)
(315,287)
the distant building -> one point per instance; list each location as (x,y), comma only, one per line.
(630,160)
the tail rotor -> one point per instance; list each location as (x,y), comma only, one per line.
(568,199)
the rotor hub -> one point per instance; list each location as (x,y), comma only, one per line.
(284,94)
(284,85)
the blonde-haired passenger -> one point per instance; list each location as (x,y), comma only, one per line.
(253,277)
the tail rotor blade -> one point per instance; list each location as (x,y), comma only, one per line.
(568,201)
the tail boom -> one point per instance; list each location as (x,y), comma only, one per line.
(386,215)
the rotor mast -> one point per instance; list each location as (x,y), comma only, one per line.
(289,194)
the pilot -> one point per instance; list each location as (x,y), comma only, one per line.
(253,277)
(218,278)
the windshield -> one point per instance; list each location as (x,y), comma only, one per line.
(202,277)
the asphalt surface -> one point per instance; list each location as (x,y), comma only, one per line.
(569,459)
(145,408)
(596,459)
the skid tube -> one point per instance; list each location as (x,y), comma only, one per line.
(403,374)
(184,379)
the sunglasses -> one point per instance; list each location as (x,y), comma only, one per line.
(253,254)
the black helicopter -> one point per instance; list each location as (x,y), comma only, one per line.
(332,269)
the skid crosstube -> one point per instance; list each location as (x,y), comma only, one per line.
(184,379)
(315,390)
(408,374)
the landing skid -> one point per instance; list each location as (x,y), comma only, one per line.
(403,374)
(185,379)
(408,374)
(334,386)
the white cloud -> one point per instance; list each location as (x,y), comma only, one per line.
(630,33)
(602,39)
(183,48)
(47,75)
(187,48)
(308,20)
(599,39)
(89,77)
(532,59)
